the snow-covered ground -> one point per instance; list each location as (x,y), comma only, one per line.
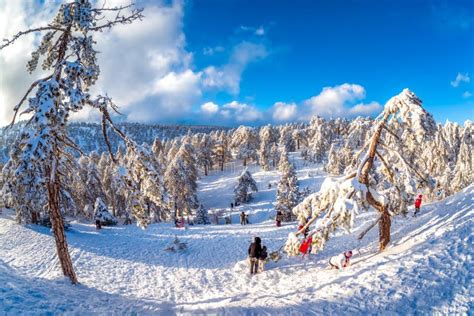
(427,268)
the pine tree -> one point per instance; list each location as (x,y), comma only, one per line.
(383,179)
(286,138)
(202,216)
(204,146)
(41,158)
(245,144)
(287,189)
(464,169)
(244,184)
(300,137)
(181,182)
(221,151)
(101,213)
(268,138)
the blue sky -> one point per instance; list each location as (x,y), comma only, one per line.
(383,46)
(230,62)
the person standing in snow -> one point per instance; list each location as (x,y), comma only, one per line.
(305,247)
(263,259)
(341,261)
(255,251)
(418,204)
(242,218)
(98,225)
(278,218)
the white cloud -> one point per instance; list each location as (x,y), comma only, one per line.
(466,95)
(241,112)
(14,79)
(145,67)
(259,31)
(209,108)
(284,111)
(333,101)
(365,109)
(228,76)
(210,51)
(460,78)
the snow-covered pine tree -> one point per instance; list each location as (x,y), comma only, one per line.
(202,216)
(287,195)
(322,136)
(245,144)
(268,138)
(464,169)
(102,214)
(221,151)
(87,185)
(204,146)
(244,183)
(300,137)
(274,156)
(145,193)
(180,182)
(286,138)
(158,149)
(67,47)
(384,179)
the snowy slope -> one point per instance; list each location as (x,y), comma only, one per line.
(427,268)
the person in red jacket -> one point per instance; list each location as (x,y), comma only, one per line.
(418,204)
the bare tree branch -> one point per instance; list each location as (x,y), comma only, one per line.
(120,19)
(368,228)
(20,34)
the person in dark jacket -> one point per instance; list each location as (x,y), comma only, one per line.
(242,218)
(278,218)
(255,251)
(98,225)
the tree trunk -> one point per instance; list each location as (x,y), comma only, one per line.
(385,221)
(298,144)
(205,170)
(245,162)
(58,228)
(384,230)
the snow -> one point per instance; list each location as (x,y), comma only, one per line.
(427,268)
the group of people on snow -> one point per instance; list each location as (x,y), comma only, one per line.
(257,256)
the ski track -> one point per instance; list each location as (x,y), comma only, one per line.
(124,270)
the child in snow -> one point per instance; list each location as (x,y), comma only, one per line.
(418,204)
(263,259)
(341,261)
(242,218)
(255,251)
(306,246)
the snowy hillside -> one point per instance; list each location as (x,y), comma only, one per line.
(427,268)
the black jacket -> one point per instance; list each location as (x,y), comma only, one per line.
(263,254)
(255,249)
